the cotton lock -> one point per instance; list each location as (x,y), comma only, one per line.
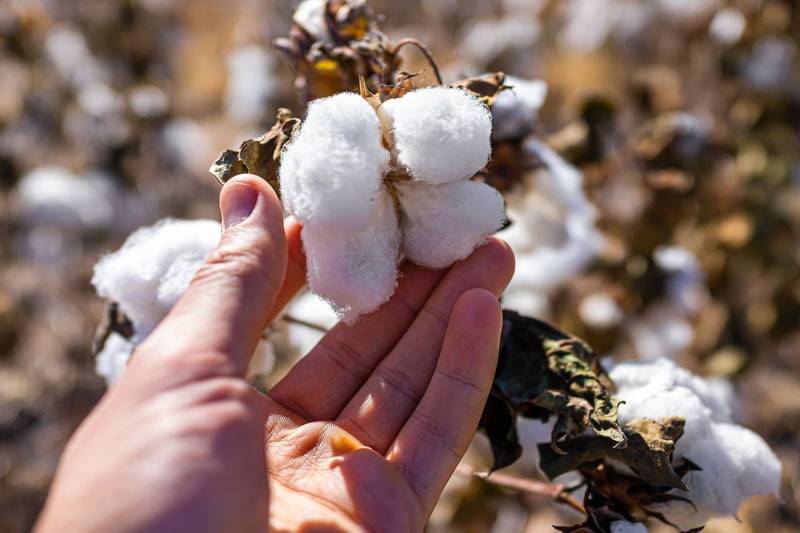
(374,185)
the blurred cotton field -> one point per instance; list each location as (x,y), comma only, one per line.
(648,154)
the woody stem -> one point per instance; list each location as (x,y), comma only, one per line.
(425,51)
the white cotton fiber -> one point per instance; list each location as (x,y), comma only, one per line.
(553,231)
(153,268)
(355,272)
(331,172)
(310,15)
(444,223)
(441,134)
(515,109)
(735,462)
(113,358)
(622,526)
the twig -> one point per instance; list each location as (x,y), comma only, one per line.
(556,492)
(425,51)
(300,322)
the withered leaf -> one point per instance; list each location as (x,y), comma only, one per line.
(485,88)
(648,453)
(114,321)
(259,156)
(499,423)
(543,372)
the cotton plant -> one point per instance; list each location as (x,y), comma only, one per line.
(377,182)
(734,462)
(146,277)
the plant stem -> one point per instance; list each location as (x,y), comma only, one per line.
(556,492)
(425,51)
(300,322)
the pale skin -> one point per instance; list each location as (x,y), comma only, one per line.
(361,435)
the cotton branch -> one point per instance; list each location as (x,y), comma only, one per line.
(554,491)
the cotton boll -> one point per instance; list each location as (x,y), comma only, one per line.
(663,331)
(153,268)
(600,311)
(310,15)
(187,144)
(51,195)
(331,172)
(68,50)
(250,83)
(686,280)
(113,359)
(735,462)
(441,134)
(727,26)
(552,232)
(443,224)
(515,109)
(687,9)
(355,272)
(487,40)
(622,526)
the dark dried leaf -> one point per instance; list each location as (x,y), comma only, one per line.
(114,321)
(260,156)
(543,372)
(649,452)
(486,87)
(499,423)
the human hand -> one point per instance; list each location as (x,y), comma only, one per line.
(362,434)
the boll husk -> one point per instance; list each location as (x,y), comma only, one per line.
(375,183)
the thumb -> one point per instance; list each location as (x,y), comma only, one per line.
(222,315)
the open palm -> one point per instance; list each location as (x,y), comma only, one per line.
(404,389)
(362,434)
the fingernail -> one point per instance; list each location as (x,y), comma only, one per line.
(238,203)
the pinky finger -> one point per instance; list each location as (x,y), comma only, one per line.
(437,434)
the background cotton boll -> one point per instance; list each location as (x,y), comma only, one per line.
(515,109)
(441,134)
(331,172)
(600,311)
(355,272)
(310,15)
(736,463)
(487,40)
(153,267)
(662,331)
(250,83)
(728,26)
(53,195)
(553,231)
(685,281)
(113,358)
(445,223)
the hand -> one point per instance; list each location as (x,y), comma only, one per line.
(363,432)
